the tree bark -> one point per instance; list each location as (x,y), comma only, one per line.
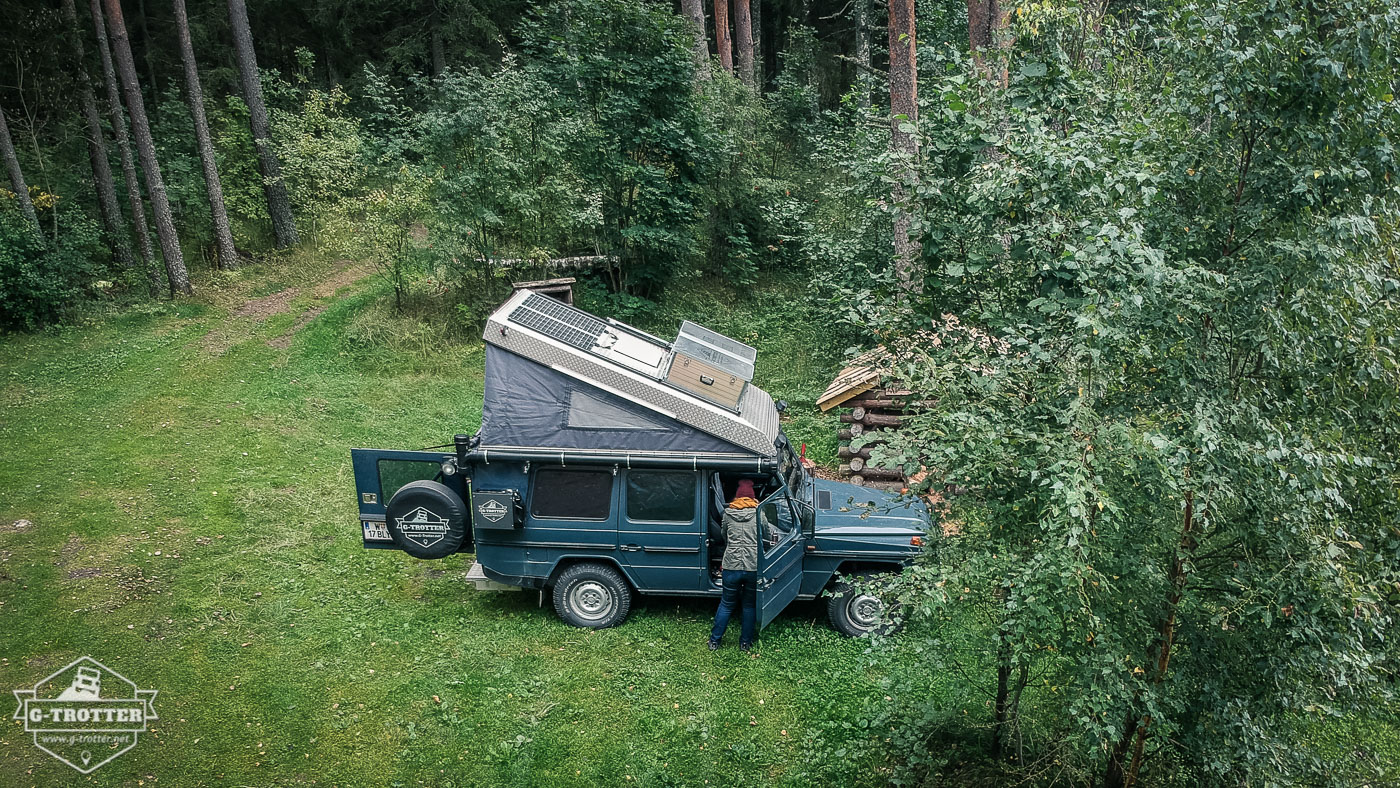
(226,257)
(147,47)
(435,45)
(743,39)
(904,109)
(279,206)
(863,71)
(1002,700)
(133,186)
(722,43)
(985,22)
(102,182)
(694,11)
(111,213)
(146,150)
(1122,771)
(756,11)
(17,184)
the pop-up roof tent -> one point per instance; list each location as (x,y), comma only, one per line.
(560,378)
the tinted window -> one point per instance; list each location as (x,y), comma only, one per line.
(394,474)
(578,495)
(661,496)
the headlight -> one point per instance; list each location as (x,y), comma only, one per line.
(449,467)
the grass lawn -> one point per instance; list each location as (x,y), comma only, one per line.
(184,474)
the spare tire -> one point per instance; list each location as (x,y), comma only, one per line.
(427,519)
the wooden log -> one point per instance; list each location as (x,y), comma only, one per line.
(845,452)
(857,464)
(858,481)
(882,420)
(852,431)
(877,403)
(873,474)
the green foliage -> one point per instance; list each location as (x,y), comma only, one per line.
(321,152)
(1159,326)
(625,70)
(40,282)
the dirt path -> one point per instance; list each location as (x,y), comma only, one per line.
(245,318)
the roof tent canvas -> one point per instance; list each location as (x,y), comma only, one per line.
(527,404)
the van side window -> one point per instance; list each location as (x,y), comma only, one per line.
(661,496)
(561,493)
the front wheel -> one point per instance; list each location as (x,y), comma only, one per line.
(592,596)
(856,612)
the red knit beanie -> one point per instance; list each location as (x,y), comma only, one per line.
(745,489)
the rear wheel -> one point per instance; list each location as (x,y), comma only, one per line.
(855,611)
(593,596)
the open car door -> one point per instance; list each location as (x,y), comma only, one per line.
(432,504)
(779,557)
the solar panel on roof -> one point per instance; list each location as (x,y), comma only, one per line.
(558,320)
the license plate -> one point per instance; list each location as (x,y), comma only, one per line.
(376,532)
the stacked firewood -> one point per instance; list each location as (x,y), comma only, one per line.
(869,415)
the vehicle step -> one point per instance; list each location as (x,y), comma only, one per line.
(477,576)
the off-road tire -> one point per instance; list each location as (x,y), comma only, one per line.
(857,614)
(592,596)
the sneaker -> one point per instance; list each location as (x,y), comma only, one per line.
(745,646)
(714,645)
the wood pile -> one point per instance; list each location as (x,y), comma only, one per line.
(867,410)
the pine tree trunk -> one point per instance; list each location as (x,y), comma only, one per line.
(147,47)
(743,39)
(722,42)
(435,45)
(17,184)
(863,71)
(118,119)
(904,109)
(985,21)
(107,206)
(694,11)
(756,10)
(279,206)
(223,237)
(146,150)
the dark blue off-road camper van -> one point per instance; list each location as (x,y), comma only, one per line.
(602,467)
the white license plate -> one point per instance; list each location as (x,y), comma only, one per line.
(376,532)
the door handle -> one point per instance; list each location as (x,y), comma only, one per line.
(630,548)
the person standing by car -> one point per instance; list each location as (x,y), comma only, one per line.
(739,567)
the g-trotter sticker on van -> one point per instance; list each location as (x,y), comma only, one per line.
(85,714)
(493,510)
(423,527)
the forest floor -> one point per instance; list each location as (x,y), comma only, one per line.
(176,502)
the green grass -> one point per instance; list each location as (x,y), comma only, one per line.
(193,527)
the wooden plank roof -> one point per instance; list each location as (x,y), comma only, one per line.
(860,376)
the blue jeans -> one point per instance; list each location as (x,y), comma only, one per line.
(739,587)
